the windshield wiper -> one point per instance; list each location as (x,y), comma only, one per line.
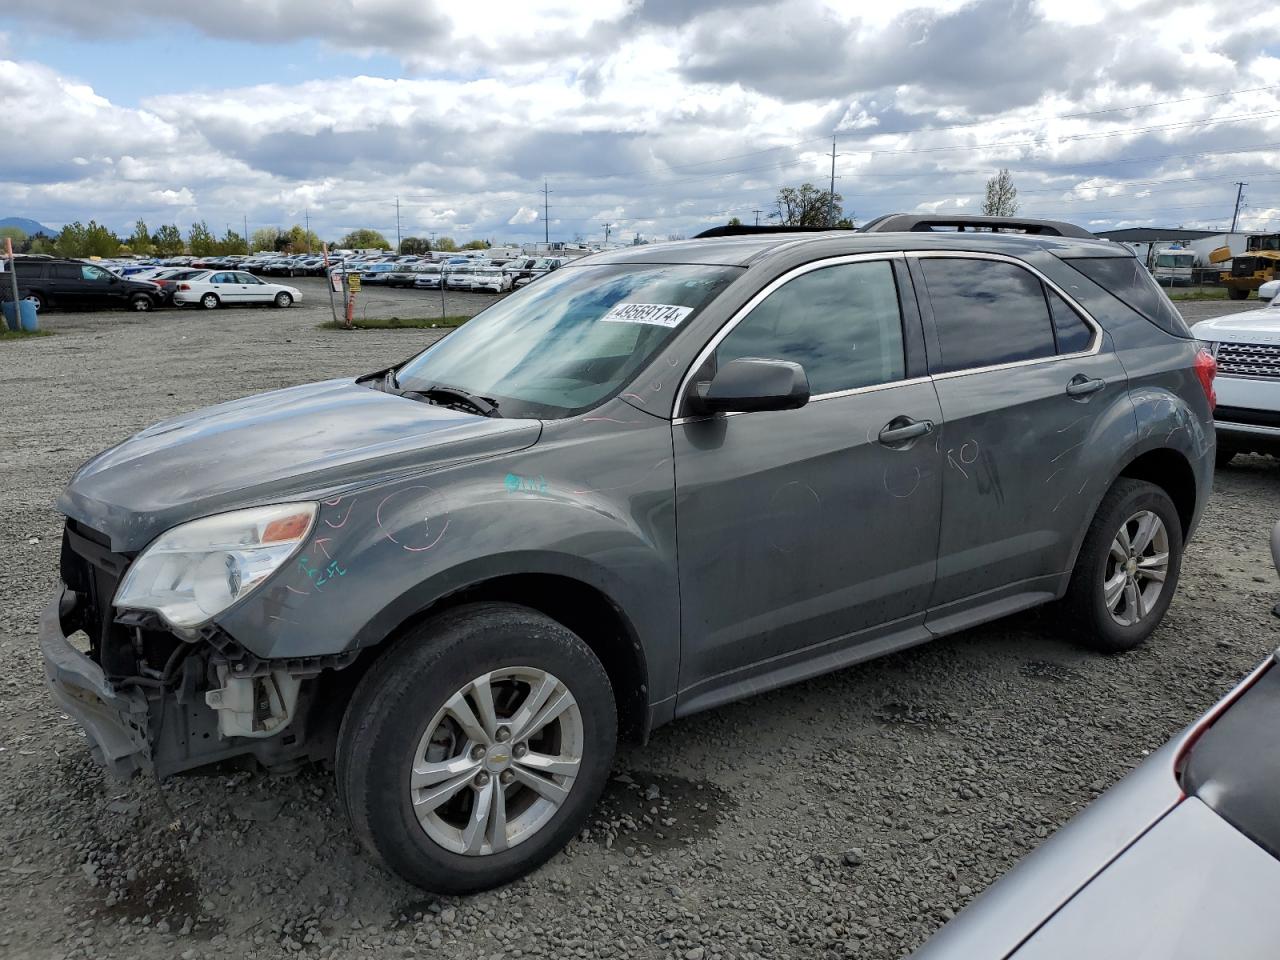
(437,391)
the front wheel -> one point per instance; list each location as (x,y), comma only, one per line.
(37,299)
(1128,567)
(476,747)
(209,301)
(283,300)
(141,303)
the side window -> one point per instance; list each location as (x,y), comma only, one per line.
(1126,279)
(986,312)
(1072,332)
(90,272)
(841,323)
(66,271)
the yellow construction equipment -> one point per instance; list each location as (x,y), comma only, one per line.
(1259,263)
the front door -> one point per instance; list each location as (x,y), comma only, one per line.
(805,533)
(1034,402)
(250,289)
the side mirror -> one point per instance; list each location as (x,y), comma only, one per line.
(748,384)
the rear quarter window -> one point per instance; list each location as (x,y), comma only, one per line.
(1128,281)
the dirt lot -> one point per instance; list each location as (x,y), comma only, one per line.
(845,817)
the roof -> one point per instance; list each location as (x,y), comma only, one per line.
(1148,234)
(741,251)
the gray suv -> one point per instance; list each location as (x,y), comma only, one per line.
(656,481)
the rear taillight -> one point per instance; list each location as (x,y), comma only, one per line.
(1206,369)
(187,286)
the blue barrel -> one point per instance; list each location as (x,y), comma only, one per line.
(23,318)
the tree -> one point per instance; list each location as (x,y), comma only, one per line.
(446,245)
(232,243)
(364,239)
(475,245)
(201,240)
(140,242)
(267,238)
(807,206)
(167,241)
(70,241)
(735,222)
(99,241)
(298,240)
(42,243)
(17,235)
(415,245)
(1002,196)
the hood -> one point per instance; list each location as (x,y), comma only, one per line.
(288,444)
(1251,326)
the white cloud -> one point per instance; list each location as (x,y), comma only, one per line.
(661,116)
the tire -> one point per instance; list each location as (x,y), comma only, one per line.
(283,300)
(1237,293)
(1093,621)
(401,702)
(141,303)
(39,300)
(1223,457)
(210,301)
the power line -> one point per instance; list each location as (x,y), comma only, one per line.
(1235,215)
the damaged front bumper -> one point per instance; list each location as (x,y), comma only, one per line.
(209,710)
(116,722)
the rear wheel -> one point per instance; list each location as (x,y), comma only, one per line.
(1237,293)
(283,299)
(476,748)
(1128,567)
(141,303)
(210,301)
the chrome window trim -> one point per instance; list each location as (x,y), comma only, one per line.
(1094,348)
(745,310)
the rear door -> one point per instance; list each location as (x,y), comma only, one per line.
(806,534)
(1034,402)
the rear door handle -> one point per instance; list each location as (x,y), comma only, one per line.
(903,429)
(1081,386)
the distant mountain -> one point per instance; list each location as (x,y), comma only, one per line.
(29,227)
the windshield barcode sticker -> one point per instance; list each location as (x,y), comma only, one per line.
(657,314)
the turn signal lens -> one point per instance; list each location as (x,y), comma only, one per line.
(287,528)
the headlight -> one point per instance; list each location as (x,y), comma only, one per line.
(198,569)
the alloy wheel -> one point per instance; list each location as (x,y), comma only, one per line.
(497,761)
(1136,568)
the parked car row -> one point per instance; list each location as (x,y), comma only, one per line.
(77,285)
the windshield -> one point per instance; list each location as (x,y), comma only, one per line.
(572,340)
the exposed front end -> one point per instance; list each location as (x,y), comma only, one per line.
(155,700)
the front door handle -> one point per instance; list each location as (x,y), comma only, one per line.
(1081,386)
(901,430)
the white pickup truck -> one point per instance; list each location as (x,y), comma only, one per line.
(1247,348)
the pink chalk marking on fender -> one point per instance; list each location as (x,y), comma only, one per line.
(331,503)
(428,546)
(323,549)
(608,420)
(301,593)
(634,396)
(345,517)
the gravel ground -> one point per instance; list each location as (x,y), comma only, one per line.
(849,816)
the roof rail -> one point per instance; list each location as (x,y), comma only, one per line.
(924,223)
(744,229)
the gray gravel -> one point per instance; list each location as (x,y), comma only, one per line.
(845,817)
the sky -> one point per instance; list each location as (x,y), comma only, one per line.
(657,117)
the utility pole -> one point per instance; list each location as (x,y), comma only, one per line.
(607,228)
(546,214)
(1236,214)
(248,247)
(397,226)
(831,197)
(306,218)
(757,213)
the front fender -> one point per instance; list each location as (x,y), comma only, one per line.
(592,500)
